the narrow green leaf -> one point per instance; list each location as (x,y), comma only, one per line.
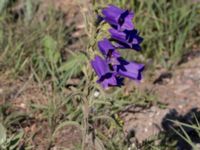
(2,134)
(15,140)
(74,65)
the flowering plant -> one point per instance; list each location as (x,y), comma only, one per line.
(112,68)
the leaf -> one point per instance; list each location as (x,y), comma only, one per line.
(14,118)
(49,43)
(50,49)
(3,4)
(15,140)
(29,10)
(3,135)
(74,65)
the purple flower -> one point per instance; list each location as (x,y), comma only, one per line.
(131,70)
(106,76)
(112,70)
(118,18)
(127,39)
(107,49)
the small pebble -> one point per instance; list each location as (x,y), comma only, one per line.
(133,145)
(180,106)
(96,94)
(22,105)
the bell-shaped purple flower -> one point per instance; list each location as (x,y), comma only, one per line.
(107,49)
(118,18)
(126,39)
(106,76)
(131,70)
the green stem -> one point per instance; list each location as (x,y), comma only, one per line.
(85,123)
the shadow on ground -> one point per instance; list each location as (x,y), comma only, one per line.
(170,128)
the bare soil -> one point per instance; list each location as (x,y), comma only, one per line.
(178,91)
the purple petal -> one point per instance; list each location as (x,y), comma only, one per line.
(112,14)
(108,80)
(100,66)
(106,77)
(131,70)
(128,18)
(107,49)
(118,18)
(115,34)
(127,39)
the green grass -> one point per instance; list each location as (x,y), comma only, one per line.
(39,49)
(35,47)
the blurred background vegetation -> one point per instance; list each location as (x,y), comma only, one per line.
(38,46)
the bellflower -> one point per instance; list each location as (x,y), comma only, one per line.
(107,49)
(127,39)
(112,70)
(131,70)
(106,76)
(118,18)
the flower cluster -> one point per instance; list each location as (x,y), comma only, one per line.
(112,69)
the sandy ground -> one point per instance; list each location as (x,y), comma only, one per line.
(179,90)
